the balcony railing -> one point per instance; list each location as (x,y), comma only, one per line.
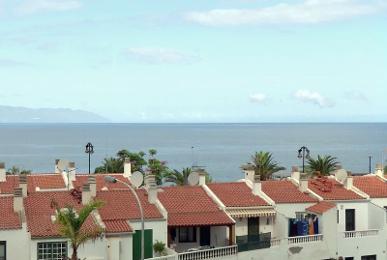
(305,239)
(253,242)
(362,233)
(275,242)
(218,252)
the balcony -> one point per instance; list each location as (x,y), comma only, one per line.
(219,252)
(305,239)
(363,233)
(253,242)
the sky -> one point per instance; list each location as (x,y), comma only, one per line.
(198,61)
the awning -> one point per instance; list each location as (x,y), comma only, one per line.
(250,212)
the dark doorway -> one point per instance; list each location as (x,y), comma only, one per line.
(205,236)
(253,227)
(3,250)
(349,220)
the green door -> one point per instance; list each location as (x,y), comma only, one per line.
(148,244)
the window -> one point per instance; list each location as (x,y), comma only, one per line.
(52,250)
(3,250)
(368,257)
(349,258)
(385,209)
(338,216)
(350,220)
(187,234)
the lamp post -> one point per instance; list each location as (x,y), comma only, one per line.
(89,150)
(114,180)
(303,153)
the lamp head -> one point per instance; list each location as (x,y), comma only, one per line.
(110,179)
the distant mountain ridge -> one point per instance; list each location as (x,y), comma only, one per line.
(11,114)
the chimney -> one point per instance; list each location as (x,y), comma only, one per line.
(86,194)
(17,200)
(379,171)
(72,171)
(93,185)
(56,166)
(3,174)
(202,177)
(348,184)
(23,184)
(257,188)
(249,171)
(303,187)
(151,187)
(295,174)
(127,168)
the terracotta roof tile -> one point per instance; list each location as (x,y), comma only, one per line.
(117,226)
(236,194)
(372,185)
(321,207)
(191,206)
(284,191)
(45,181)
(9,185)
(8,218)
(39,211)
(330,189)
(121,205)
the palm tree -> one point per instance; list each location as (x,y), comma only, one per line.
(180,178)
(110,165)
(323,164)
(71,224)
(264,165)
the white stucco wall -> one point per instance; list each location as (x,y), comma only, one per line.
(17,243)
(92,250)
(120,247)
(159,227)
(361,214)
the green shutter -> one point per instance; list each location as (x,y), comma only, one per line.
(148,244)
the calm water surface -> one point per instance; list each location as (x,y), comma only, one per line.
(222,148)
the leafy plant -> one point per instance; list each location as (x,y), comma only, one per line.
(323,164)
(159,248)
(264,165)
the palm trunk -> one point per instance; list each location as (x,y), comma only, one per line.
(74,256)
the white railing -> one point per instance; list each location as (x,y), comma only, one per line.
(167,257)
(275,242)
(218,252)
(362,233)
(305,239)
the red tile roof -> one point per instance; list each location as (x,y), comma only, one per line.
(45,181)
(9,185)
(8,218)
(191,206)
(117,226)
(372,185)
(39,211)
(121,205)
(99,179)
(321,207)
(236,194)
(330,189)
(284,191)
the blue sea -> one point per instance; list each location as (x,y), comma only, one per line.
(221,148)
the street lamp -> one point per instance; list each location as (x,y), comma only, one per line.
(303,153)
(111,179)
(89,150)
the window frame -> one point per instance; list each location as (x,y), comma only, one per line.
(4,243)
(50,255)
(187,239)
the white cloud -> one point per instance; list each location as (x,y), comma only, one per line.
(258,98)
(307,12)
(312,97)
(160,55)
(33,6)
